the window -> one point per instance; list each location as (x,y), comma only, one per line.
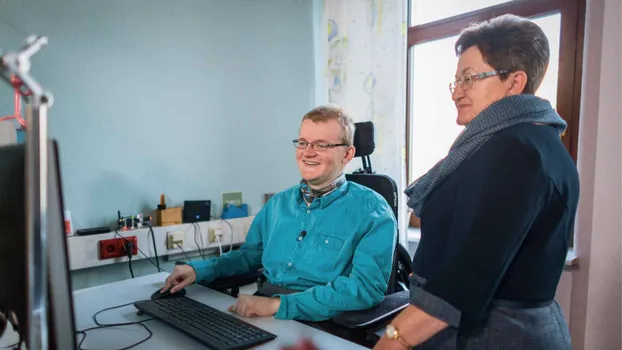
(422,11)
(431,125)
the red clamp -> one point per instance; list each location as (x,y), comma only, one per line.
(17,114)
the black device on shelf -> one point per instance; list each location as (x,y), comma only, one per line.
(196,211)
(92,231)
(214,328)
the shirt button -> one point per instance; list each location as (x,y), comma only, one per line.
(289,264)
(326,241)
(308,211)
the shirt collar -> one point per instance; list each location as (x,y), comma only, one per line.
(323,201)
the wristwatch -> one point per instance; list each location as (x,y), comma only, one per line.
(392,333)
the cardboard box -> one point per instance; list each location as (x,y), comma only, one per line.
(168,216)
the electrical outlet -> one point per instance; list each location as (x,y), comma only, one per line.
(175,239)
(213,232)
(115,247)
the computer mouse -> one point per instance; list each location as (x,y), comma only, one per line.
(167,295)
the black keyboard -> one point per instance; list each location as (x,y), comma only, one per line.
(215,328)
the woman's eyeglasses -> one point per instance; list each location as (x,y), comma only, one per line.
(318,146)
(466,81)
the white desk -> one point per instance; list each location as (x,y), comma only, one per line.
(88,301)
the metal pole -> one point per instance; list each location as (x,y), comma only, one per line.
(36,189)
(37,172)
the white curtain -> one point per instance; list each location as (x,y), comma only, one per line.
(366,74)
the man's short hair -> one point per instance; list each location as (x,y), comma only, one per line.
(325,113)
(510,43)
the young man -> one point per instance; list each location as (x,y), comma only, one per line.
(326,244)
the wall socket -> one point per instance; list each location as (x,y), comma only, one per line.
(213,232)
(175,239)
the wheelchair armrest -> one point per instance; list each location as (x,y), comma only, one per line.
(383,312)
(237,281)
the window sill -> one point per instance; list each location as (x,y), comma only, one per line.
(571,258)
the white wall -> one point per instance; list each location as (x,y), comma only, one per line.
(591,293)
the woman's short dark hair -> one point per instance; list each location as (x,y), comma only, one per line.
(510,43)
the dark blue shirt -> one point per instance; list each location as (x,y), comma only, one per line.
(498,227)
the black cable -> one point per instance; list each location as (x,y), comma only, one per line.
(128,250)
(116,324)
(194,231)
(109,325)
(199,247)
(83,333)
(116,232)
(155,248)
(187,257)
(232,232)
(11,346)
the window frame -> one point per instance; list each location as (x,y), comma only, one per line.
(570,55)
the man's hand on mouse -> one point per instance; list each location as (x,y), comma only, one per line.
(254,306)
(181,277)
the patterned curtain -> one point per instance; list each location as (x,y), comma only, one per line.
(366,74)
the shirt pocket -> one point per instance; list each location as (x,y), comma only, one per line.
(328,249)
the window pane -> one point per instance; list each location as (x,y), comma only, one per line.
(432,112)
(551,25)
(424,11)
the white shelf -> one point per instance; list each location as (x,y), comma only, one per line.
(84,250)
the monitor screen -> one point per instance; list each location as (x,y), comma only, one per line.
(14,250)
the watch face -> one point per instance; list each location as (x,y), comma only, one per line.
(391,332)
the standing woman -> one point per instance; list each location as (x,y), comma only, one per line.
(497,212)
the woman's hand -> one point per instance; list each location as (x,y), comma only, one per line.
(304,344)
(253,306)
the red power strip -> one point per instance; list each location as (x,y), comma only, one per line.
(115,247)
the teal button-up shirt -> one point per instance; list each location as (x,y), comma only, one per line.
(338,251)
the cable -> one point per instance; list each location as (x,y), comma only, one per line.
(155,248)
(232,231)
(116,324)
(83,333)
(11,346)
(199,246)
(219,244)
(116,232)
(178,246)
(128,250)
(109,325)
(202,242)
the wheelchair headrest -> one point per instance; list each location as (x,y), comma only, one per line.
(364,139)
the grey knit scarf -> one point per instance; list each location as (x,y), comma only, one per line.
(507,112)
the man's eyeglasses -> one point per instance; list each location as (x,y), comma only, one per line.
(318,146)
(466,81)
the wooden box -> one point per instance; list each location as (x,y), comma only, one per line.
(168,216)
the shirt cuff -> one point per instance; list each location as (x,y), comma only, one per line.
(431,304)
(204,270)
(284,312)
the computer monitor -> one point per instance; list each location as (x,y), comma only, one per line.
(14,249)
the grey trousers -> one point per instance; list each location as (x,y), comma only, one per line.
(509,327)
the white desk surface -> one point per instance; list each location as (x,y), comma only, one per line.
(88,301)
